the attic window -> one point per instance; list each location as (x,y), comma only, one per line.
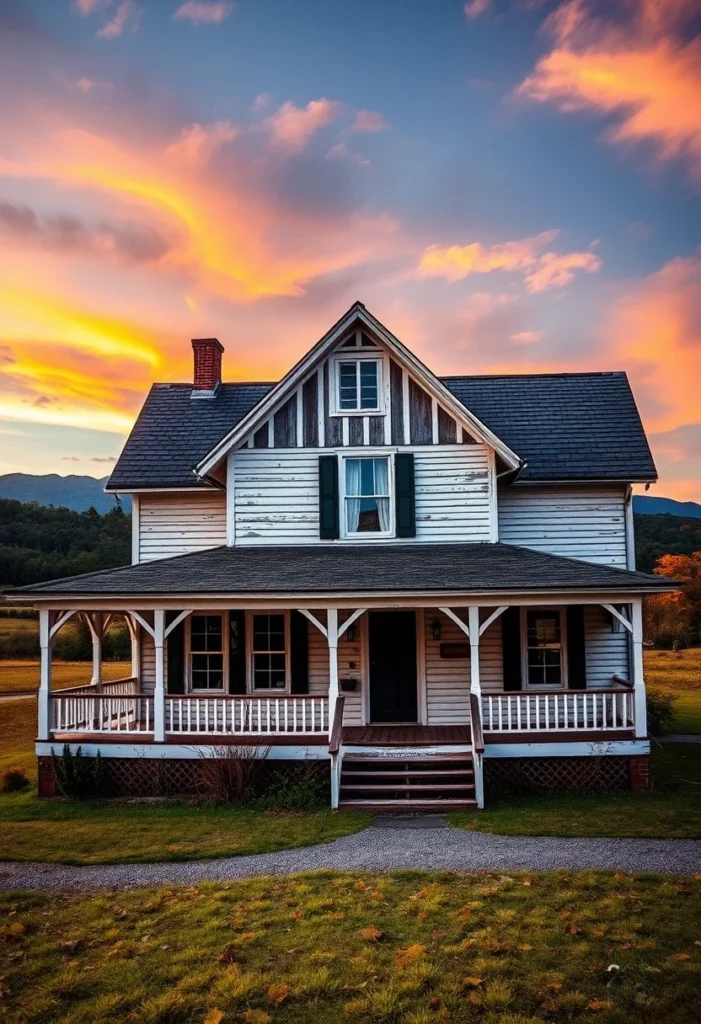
(357,385)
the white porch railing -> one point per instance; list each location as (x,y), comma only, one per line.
(247,716)
(559,711)
(128,685)
(98,712)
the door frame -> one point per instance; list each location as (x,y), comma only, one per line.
(420,665)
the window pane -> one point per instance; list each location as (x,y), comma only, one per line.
(206,633)
(544,655)
(368,385)
(347,386)
(367,476)
(268,632)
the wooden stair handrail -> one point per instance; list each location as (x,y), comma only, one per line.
(476,723)
(337,727)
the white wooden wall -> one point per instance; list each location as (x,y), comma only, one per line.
(274,495)
(583,522)
(179,523)
(606,653)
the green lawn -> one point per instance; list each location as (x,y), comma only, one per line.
(408,948)
(678,673)
(112,832)
(23,676)
(670,810)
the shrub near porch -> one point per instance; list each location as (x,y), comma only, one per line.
(413,948)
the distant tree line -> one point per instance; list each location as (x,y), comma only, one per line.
(656,536)
(40,542)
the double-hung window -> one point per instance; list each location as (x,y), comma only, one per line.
(207,652)
(544,650)
(366,496)
(357,385)
(269,652)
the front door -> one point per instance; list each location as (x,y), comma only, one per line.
(392,642)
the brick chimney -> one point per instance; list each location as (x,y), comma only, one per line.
(207,374)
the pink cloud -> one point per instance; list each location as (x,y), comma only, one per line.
(202,13)
(526,337)
(87,6)
(476,8)
(127,16)
(541,270)
(369,121)
(293,126)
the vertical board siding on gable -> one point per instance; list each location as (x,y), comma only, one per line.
(396,402)
(583,522)
(420,418)
(332,424)
(285,424)
(276,495)
(447,428)
(177,524)
(310,407)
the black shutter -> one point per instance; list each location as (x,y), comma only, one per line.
(576,658)
(175,649)
(299,653)
(511,648)
(405,504)
(328,497)
(237,652)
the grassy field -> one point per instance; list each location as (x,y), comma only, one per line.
(407,948)
(670,810)
(678,673)
(112,832)
(23,676)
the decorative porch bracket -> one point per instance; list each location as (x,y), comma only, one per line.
(472,631)
(332,631)
(617,615)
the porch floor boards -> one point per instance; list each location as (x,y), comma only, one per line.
(406,735)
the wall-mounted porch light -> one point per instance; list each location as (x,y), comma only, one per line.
(350,633)
(436,629)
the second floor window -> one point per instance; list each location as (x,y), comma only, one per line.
(366,497)
(358,385)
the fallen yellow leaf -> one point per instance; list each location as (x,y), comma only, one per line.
(276,994)
(598,1004)
(213,1017)
(371,934)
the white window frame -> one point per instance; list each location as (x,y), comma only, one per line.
(538,687)
(250,677)
(366,453)
(223,689)
(356,355)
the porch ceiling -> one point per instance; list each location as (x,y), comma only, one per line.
(353,569)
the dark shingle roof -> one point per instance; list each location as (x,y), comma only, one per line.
(355,567)
(566,426)
(174,431)
(571,426)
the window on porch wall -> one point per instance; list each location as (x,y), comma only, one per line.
(543,647)
(269,652)
(207,652)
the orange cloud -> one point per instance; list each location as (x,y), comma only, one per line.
(541,270)
(294,126)
(643,73)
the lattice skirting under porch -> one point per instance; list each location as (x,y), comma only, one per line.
(142,776)
(513,776)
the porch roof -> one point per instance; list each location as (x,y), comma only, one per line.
(353,568)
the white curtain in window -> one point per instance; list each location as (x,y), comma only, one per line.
(352,488)
(382,487)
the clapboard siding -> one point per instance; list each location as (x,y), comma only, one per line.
(148,663)
(178,524)
(276,495)
(606,652)
(447,680)
(587,522)
(349,667)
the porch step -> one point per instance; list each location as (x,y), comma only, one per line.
(400,782)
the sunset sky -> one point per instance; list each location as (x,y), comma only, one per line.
(512,186)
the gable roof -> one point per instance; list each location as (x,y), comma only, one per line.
(355,568)
(566,427)
(357,316)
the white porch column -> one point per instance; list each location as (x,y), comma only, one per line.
(332,637)
(44,702)
(473,622)
(159,694)
(639,698)
(96,623)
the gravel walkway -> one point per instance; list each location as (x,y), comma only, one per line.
(379,849)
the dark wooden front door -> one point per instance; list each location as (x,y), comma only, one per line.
(392,637)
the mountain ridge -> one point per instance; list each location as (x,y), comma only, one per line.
(74,491)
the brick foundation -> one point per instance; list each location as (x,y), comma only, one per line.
(639,768)
(148,776)
(541,775)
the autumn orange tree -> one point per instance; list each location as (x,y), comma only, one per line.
(677,616)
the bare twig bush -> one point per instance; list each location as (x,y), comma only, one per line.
(231,774)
